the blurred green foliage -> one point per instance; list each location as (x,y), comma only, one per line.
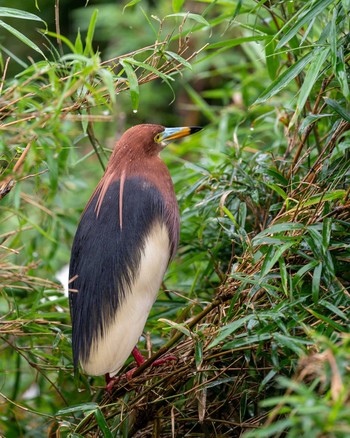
(264,198)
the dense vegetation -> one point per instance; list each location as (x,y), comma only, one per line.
(256,303)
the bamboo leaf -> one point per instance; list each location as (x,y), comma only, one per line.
(284,275)
(16,13)
(108,80)
(181,328)
(229,329)
(188,15)
(326,234)
(131,3)
(341,73)
(179,59)
(285,78)
(309,81)
(272,257)
(133,83)
(90,34)
(316,280)
(275,229)
(177,5)
(338,109)
(21,37)
(90,406)
(102,423)
(272,60)
(228,44)
(302,271)
(318,8)
(312,118)
(247,340)
(278,190)
(326,319)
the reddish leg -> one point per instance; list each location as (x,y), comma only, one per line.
(139,359)
(138,356)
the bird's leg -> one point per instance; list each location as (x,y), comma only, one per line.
(140,360)
(138,356)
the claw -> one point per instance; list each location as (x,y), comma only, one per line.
(110,381)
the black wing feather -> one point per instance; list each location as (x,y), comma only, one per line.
(105,259)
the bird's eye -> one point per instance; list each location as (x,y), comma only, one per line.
(158,138)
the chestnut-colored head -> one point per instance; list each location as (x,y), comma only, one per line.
(148,140)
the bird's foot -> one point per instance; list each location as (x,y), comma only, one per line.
(111,381)
(141,360)
(163,360)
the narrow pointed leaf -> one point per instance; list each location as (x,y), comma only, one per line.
(309,81)
(273,256)
(16,13)
(21,37)
(190,16)
(285,78)
(133,84)
(177,5)
(316,280)
(318,7)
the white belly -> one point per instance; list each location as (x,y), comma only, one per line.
(109,353)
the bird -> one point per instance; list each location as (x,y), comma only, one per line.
(126,237)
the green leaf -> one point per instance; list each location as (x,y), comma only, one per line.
(228,44)
(284,79)
(133,83)
(304,18)
(333,39)
(180,327)
(325,318)
(90,34)
(309,81)
(230,216)
(338,109)
(21,37)
(302,271)
(229,329)
(312,118)
(272,257)
(179,59)
(16,13)
(278,190)
(132,3)
(341,73)
(346,6)
(90,406)
(190,16)
(272,60)
(275,229)
(335,310)
(247,340)
(316,280)
(108,80)
(102,423)
(152,69)
(78,45)
(62,38)
(177,5)
(326,234)
(294,344)
(277,175)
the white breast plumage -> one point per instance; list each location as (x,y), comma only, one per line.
(110,351)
